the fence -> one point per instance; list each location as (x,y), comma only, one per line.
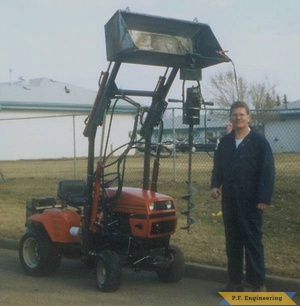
(38,144)
(281,128)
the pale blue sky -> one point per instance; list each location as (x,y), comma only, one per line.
(64,39)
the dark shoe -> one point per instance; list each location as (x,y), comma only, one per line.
(261,288)
(234,288)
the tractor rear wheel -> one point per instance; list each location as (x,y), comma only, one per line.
(37,254)
(175,271)
(108,271)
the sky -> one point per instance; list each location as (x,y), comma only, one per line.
(64,40)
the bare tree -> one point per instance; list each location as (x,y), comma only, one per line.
(226,88)
(262,95)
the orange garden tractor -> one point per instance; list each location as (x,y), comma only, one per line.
(106,225)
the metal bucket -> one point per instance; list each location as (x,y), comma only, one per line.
(151,40)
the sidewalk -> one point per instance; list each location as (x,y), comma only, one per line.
(208,273)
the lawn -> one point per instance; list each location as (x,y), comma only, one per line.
(204,243)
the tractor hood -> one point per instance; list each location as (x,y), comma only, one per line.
(137,201)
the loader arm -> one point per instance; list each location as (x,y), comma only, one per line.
(96,118)
(152,120)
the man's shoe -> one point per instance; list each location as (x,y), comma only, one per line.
(261,288)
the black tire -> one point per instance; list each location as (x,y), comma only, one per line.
(175,271)
(108,271)
(37,254)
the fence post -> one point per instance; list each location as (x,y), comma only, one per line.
(74,148)
(174,148)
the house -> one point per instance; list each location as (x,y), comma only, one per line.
(44,118)
(282,129)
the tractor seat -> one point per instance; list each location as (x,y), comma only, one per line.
(72,192)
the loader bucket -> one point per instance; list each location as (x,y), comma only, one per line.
(151,40)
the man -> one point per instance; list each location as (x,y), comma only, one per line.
(244,168)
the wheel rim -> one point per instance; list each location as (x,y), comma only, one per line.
(31,252)
(101,273)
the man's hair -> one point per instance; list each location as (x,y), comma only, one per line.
(237,104)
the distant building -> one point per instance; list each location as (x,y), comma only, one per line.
(280,125)
(212,126)
(44,118)
(283,129)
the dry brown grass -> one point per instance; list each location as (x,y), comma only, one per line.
(204,243)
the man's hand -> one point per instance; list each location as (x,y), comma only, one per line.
(215,193)
(262,206)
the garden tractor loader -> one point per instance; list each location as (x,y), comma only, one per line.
(105,224)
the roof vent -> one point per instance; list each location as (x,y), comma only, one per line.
(67,90)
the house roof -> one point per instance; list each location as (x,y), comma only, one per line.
(45,90)
(48,95)
(289,111)
(290,105)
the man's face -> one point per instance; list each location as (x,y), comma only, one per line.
(239,118)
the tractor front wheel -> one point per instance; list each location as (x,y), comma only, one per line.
(37,254)
(175,271)
(108,271)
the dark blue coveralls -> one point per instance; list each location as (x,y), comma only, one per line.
(247,175)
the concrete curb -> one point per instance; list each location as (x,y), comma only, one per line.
(218,274)
(205,272)
(9,244)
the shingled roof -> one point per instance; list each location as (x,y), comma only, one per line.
(47,95)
